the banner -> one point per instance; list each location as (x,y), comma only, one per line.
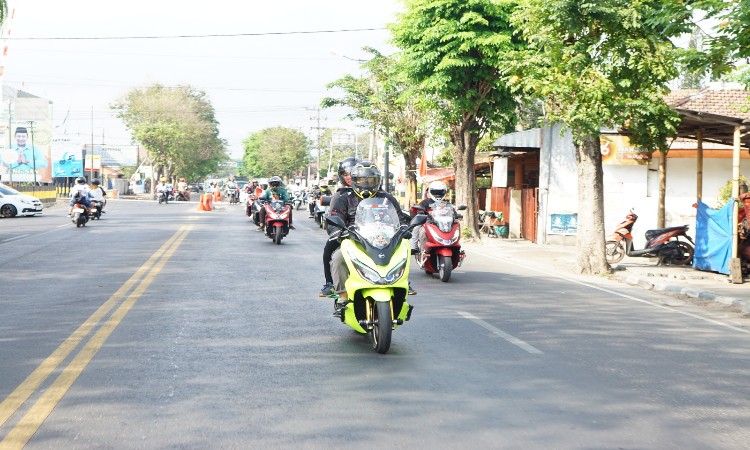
(617,150)
(66,159)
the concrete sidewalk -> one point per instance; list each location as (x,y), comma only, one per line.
(640,272)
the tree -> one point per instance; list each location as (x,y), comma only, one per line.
(277,151)
(452,51)
(386,102)
(178,128)
(601,64)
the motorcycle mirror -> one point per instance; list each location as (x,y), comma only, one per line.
(461,208)
(419,219)
(418,207)
(336,221)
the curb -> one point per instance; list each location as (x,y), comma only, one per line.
(670,289)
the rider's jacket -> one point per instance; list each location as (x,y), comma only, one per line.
(281,192)
(182,186)
(344,204)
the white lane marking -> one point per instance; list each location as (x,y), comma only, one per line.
(508,337)
(17,237)
(608,291)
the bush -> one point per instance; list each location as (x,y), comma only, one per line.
(725,193)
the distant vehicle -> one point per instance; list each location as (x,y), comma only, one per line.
(13,203)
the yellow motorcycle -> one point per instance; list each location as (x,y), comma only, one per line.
(376,251)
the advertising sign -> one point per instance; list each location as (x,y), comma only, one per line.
(618,150)
(25,145)
(66,159)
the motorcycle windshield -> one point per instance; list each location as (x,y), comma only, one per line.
(277,205)
(377,221)
(442,213)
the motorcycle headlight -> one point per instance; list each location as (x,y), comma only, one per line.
(397,272)
(367,273)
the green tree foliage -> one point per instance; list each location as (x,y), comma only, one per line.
(452,51)
(277,151)
(178,128)
(385,100)
(600,64)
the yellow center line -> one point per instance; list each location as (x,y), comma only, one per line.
(22,432)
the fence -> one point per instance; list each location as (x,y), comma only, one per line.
(48,193)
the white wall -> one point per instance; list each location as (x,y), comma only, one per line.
(625,187)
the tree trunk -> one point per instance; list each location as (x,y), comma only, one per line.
(660,219)
(591,257)
(464,146)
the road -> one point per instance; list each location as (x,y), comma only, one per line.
(164,327)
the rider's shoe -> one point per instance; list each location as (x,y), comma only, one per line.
(291,227)
(260,228)
(415,251)
(411,290)
(327,290)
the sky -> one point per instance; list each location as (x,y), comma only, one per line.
(272,76)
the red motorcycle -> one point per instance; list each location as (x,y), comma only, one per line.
(663,243)
(440,251)
(278,216)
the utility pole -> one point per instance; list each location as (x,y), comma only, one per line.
(33,150)
(318,128)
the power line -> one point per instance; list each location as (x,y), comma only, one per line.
(190,36)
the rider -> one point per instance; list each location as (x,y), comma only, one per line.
(163,186)
(80,193)
(230,185)
(365,179)
(345,181)
(435,192)
(182,188)
(274,192)
(98,193)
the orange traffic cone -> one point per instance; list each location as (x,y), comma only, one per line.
(201,207)
(207,205)
(217,196)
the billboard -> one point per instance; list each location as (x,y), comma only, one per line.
(25,144)
(67,158)
(617,149)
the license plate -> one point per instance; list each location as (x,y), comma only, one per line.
(78,210)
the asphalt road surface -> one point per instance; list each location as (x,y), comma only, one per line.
(164,327)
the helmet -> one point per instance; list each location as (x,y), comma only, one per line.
(274,182)
(345,168)
(80,180)
(255,181)
(437,190)
(366,179)
(96,181)
(182,180)
(164,179)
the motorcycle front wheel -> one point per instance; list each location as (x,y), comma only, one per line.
(614,251)
(380,336)
(444,267)
(277,235)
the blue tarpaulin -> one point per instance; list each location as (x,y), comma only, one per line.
(713,238)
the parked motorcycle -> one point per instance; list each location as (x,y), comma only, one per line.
(97,207)
(376,252)
(278,214)
(441,252)
(663,243)
(320,211)
(79,216)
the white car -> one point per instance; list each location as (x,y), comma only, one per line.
(14,203)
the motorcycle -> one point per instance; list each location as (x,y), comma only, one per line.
(297,200)
(278,214)
(79,215)
(183,196)
(232,194)
(165,196)
(97,208)
(441,252)
(663,243)
(320,210)
(377,256)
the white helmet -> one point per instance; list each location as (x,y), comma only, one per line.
(437,190)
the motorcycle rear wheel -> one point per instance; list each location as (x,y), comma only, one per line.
(614,251)
(380,335)
(686,250)
(444,268)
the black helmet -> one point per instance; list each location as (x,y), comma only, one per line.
(274,182)
(96,181)
(345,168)
(366,179)
(80,180)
